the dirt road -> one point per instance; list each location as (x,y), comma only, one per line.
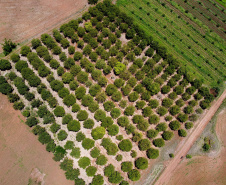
(182,150)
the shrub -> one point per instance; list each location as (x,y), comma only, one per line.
(140,104)
(15,57)
(123,121)
(80,136)
(18,105)
(71,50)
(123,104)
(82,115)
(110,89)
(66,164)
(174,110)
(116,96)
(141,163)
(83,162)
(69,145)
(126,166)
(119,82)
(54,127)
(182,117)
(88,143)
(180,103)
(82,77)
(75,152)
(73,125)
(115,177)
(115,113)
(59,111)
(133,153)
(133,96)
(69,100)
(25,50)
(153,119)
(134,175)
(129,110)
(66,119)
(111,147)
(153,104)
(89,123)
(56,85)
(108,105)
(79,181)
(109,170)
(50,147)
(98,133)
(143,126)
(171,155)
(91,170)
(174,125)
(152,133)
(162,111)
(97,180)
(113,130)
(152,153)
(5,65)
(206,147)
(182,133)
(188,125)
(99,115)
(125,145)
(158,142)
(62,135)
(31,121)
(80,92)
(167,135)
(144,144)
(188,109)
(67,77)
(188,156)
(161,127)
(166,102)
(59,153)
(101,160)
(95,152)
(119,157)
(44,137)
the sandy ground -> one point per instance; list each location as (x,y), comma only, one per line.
(203,169)
(187,144)
(23,19)
(21,152)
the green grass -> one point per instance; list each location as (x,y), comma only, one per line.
(178,35)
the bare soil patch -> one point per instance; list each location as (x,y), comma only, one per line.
(21,20)
(21,153)
(203,169)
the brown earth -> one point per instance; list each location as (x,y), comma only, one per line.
(21,152)
(184,146)
(24,19)
(203,169)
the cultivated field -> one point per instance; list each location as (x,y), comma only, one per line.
(102,96)
(21,20)
(204,169)
(192,38)
(20,151)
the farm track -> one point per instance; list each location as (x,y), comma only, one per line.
(182,150)
(197,14)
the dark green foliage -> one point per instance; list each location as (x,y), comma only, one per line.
(111,147)
(134,175)
(133,96)
(152,153)
(5,65)
(118,157)
(6,88)
(88,143)
(73,125)
(38,130)
(162,111)
(67,77)
(110,89)
(83,162)
(161,127)
(99,115)
(166,102)
(182,117)
(82,77)
(13,97)
(59,111)
(80,92)
(153,104)
(165,89)
(18,105)
(144,144)
(12,76)
(25,50)
(66,164)
(188,125)
(31,121)
(15,57)
(91,170)
(80,136)
(133,153)
(125,145)
(8,46)
(95,152)
(56,85)
(126,166)
(89,123)
(50,147)
(174,125)
(97,180)
(206,147)
(69,145)
(69,100)
(167,135)
(173,95)
(62,135)
(119,82)
(82,115)
(180,103)
(44,137)
(36,103)
(158,142)
(141,163)
(109,170)
(140,104)
(54,127)
(113,130)
(59,153)
(152,133)
(182,133)
(174,110)
(20,65)
(153,119)
(188,109)
(115,113)
(129,110)
(101,160)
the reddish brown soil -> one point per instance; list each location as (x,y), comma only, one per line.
(184,147)
(20,151)
(23,19)
(203,169)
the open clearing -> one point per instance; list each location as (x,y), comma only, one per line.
(203,169)
(21,20)
(20,151)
